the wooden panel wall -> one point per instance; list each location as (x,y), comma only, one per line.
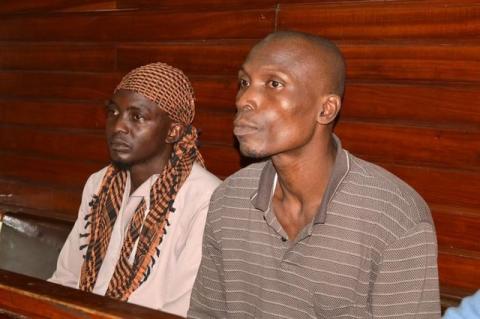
(412,102)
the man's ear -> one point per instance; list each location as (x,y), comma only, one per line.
(175,132)
(329,109)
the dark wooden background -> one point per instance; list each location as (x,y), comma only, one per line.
(412,102)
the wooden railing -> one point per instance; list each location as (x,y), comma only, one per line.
(26,297)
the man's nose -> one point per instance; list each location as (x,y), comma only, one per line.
(120,124)
(247,99)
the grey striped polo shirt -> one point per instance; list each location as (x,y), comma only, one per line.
(370,252)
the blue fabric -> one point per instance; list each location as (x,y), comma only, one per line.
(468,309)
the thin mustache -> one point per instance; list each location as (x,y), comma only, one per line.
(117,140)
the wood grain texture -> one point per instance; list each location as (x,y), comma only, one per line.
(215,93)
(59,144)
(188,4)
(433,147)
(30,6)
(205,57)
(91,7)
(59,56)
(459,268)
(40,199)
(419,104)
(37,298)
(58,85)
(57,172)
(209,4)
(457,227)
(71,114)
(375,20)
(139,26)
(215,127)
(437,61)
(222,160)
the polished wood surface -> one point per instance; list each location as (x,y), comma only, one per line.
(63,57)
(37,299)
(29,6)
(380,20)
(138,25)
(412,102)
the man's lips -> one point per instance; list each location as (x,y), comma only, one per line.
(119,145)
(241,128)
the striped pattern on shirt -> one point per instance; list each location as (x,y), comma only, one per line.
(374,255)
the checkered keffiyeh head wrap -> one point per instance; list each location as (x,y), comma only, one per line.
(165,85)
(171,90)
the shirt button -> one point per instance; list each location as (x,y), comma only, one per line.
(284,239)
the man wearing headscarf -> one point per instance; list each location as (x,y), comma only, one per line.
(139,230)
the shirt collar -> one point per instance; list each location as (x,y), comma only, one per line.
(262,197)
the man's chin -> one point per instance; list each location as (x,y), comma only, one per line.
(121,165)
(252,153)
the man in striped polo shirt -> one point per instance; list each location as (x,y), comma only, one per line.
(312,231)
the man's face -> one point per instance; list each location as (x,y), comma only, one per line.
(136,129)
(279,91)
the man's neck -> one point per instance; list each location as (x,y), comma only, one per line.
(302,181)
(139,173)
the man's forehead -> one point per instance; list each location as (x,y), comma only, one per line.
(289,54)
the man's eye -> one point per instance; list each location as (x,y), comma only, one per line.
(112,112)
(138,117)
(242,83)
(275,84)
